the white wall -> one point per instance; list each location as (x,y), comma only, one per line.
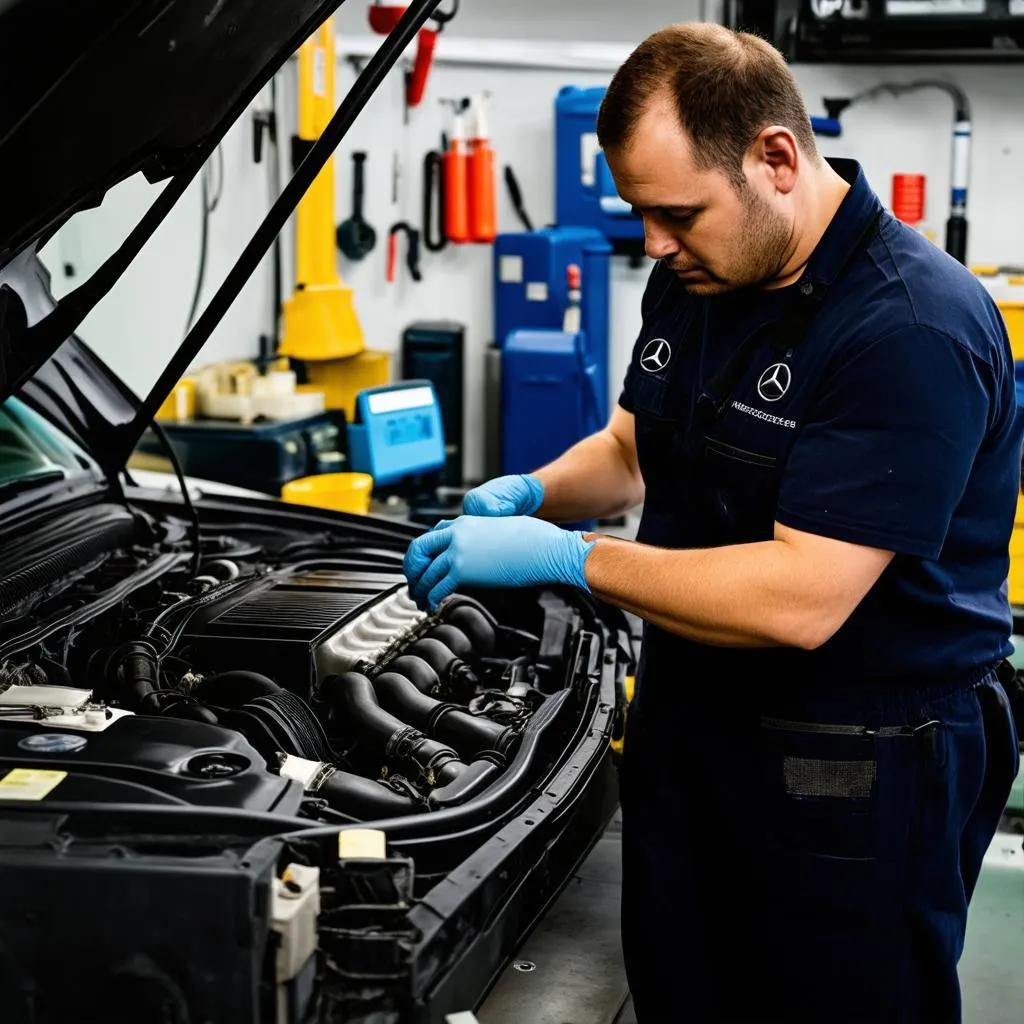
(910,134)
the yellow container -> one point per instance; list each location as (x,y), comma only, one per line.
(180,405)
(342,379)
(341,492)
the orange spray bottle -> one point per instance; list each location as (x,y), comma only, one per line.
(456,180)
(482,202)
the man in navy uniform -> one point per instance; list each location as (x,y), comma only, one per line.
(819,419)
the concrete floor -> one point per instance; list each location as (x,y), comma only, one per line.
(570,971)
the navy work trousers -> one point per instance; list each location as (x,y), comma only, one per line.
(806,858)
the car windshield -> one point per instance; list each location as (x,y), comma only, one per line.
(34,451)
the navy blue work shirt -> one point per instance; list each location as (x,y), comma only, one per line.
(894,425)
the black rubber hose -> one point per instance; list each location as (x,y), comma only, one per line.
(473,623)
(233,689)
(451,671)
(364,798)
(437,656)
(476,778)
(468,734)
(353,694)
(454,639)
(418,671)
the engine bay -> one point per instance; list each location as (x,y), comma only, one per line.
(276,673)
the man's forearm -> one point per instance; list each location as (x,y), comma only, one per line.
(744,595)
(593,479)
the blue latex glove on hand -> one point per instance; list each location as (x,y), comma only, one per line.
(472,551)
(517,495)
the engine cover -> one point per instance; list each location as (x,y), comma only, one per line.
(144,760)
(288,623)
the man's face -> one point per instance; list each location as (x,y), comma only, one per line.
(716,236)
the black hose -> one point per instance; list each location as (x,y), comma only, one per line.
(352,695)
(364,798)
(474,624)
(419,672)
(468,734)
(454,639)
(477,777)
(453,673)
(233,689)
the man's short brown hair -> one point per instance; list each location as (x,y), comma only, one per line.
(727,86)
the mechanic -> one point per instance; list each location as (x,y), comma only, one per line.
(819,418)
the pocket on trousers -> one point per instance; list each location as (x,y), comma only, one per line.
(819,784)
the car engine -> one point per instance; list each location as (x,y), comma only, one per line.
(282,676)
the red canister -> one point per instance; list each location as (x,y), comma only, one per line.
(908,197)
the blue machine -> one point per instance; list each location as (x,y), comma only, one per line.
(549,399)
(585,193)
(397,432)
(530,290)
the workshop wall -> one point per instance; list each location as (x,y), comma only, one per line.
(131,328)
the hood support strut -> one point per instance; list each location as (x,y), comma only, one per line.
(247,263)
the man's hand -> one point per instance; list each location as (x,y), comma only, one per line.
(517,495)
(517,551)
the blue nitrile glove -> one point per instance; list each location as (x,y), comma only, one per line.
(473,551)
(517,495)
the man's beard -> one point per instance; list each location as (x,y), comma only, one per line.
(759,257)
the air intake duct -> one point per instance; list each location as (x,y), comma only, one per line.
(468,734)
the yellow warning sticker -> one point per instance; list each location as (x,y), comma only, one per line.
(29,783)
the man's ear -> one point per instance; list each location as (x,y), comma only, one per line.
(775,155)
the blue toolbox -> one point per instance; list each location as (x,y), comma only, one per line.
(530,289)
(548,397)
(585,193)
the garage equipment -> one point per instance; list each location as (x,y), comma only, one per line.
(956,225)
(320,319)
(455,174)
(262,456)
(585,192)
(397,432)
(320,327)
(531,287)
(412,255)
(549,398)
(870,32)
(483,221)
(383,19)
(434,350)
(356,237)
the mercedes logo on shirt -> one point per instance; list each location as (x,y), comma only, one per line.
(656,355)
(774,382)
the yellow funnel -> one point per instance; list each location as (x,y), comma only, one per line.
(320,319)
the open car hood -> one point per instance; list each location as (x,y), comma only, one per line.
(94,93)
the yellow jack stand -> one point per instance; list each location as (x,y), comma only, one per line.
(319,320)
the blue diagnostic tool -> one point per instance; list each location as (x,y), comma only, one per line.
(397,431)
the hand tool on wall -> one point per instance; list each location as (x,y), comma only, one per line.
(516,195)
(384,17)
(434,237)
(356,237)
(956,225)
(412,256)
(483,226)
